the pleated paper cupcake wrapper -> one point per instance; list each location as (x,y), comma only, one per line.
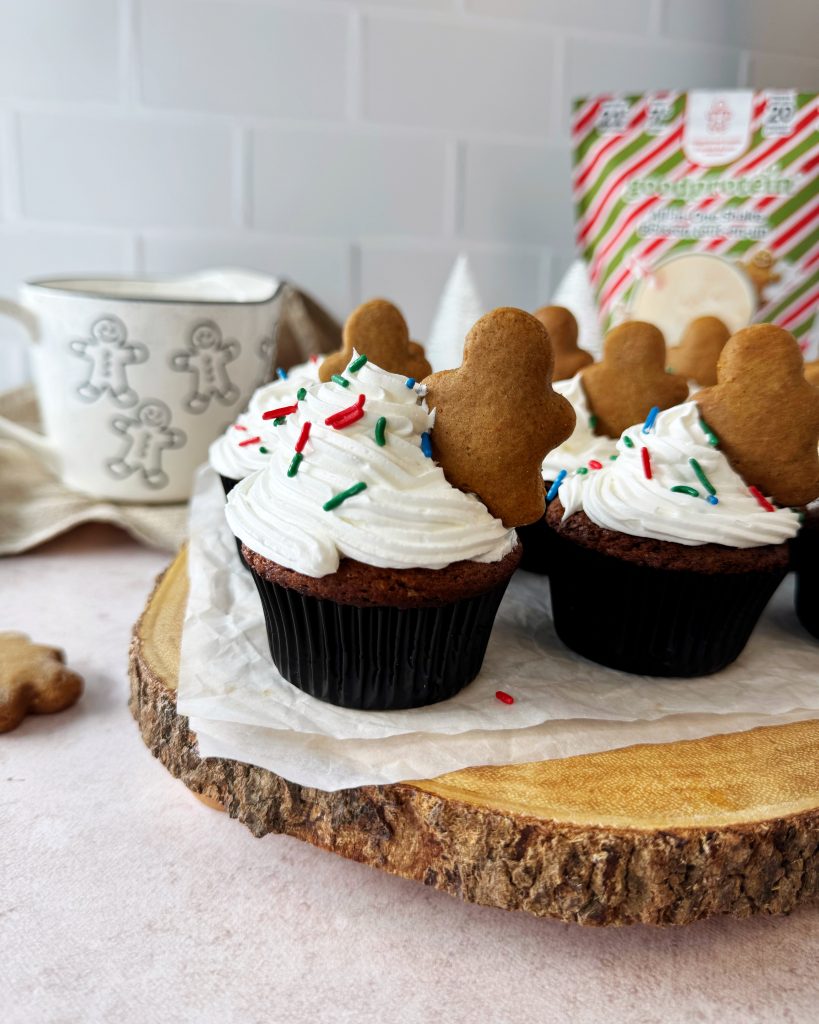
(228,483)
(806,563)
(534,540)
(376,658)
(648,621)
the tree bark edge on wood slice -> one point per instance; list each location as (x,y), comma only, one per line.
(588,874)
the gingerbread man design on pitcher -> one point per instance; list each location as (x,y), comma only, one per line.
(206,359)
(109,353)
(145,437)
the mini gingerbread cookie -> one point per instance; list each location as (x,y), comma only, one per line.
(33,680)
(812,373)
(497,417)
(562,328)
(630,379)
(699,349)
(765,414)
(378,330)
(761,272)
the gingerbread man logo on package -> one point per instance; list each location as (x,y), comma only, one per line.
(378,330)
(765,414)
(206,359)
(630,379)
(108,353)
(497,417)
(145,438)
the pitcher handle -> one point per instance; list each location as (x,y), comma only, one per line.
(8,428)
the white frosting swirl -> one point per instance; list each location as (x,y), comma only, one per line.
(620,496)
(232,458)
(583,444)
(408,516)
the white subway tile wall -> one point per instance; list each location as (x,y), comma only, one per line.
(354,146)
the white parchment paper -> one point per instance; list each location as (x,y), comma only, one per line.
(241,707)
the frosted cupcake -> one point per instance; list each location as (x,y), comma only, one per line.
(246,444)
(678,553)
(379,580)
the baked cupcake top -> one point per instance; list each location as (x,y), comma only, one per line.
(246,444)
(671,483)
(583,445)
(352,476)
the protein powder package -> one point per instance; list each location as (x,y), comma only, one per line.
(701,203)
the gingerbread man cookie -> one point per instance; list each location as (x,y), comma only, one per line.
(699,349)
(812,373)
(562,328)
(765,414)
(631,379)
(33,680)
(497,417)
(378,330)
(761,272)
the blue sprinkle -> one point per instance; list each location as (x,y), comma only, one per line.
(652,416)
(281,374)
(712,499)
(410,382)
(561,476)
(426,444)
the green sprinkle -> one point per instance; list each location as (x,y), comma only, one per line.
(582,470)
(613,457)
(340,380)
(264,451)
(627,441)
(683,489)
(301,394)
(337,499)
(669,369)
(380,427)
(356,364)
(592,422)
(713,440)
(279,420)
(700,474)
(293,468)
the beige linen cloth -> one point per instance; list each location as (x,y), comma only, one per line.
(35,506)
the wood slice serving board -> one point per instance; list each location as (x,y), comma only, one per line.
(662,834)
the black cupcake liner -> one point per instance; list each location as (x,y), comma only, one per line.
(534,540)
(228,483)
(658,622)
(806,564)
(376,659)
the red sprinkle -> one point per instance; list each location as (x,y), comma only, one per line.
(763,501)
(238,426)
(646,462)
(273,414)
(313,358)
(346,417)
(302,441)
(594,464)
(250,440)
(504,698)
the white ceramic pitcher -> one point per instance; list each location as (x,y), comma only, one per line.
(135,378)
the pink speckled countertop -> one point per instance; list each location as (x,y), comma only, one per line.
(122,898)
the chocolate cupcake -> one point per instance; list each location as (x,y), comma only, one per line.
(678,553)
(379,580)
(806,566)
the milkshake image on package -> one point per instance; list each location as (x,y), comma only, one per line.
(701,204)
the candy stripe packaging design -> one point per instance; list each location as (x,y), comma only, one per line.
(728,175)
